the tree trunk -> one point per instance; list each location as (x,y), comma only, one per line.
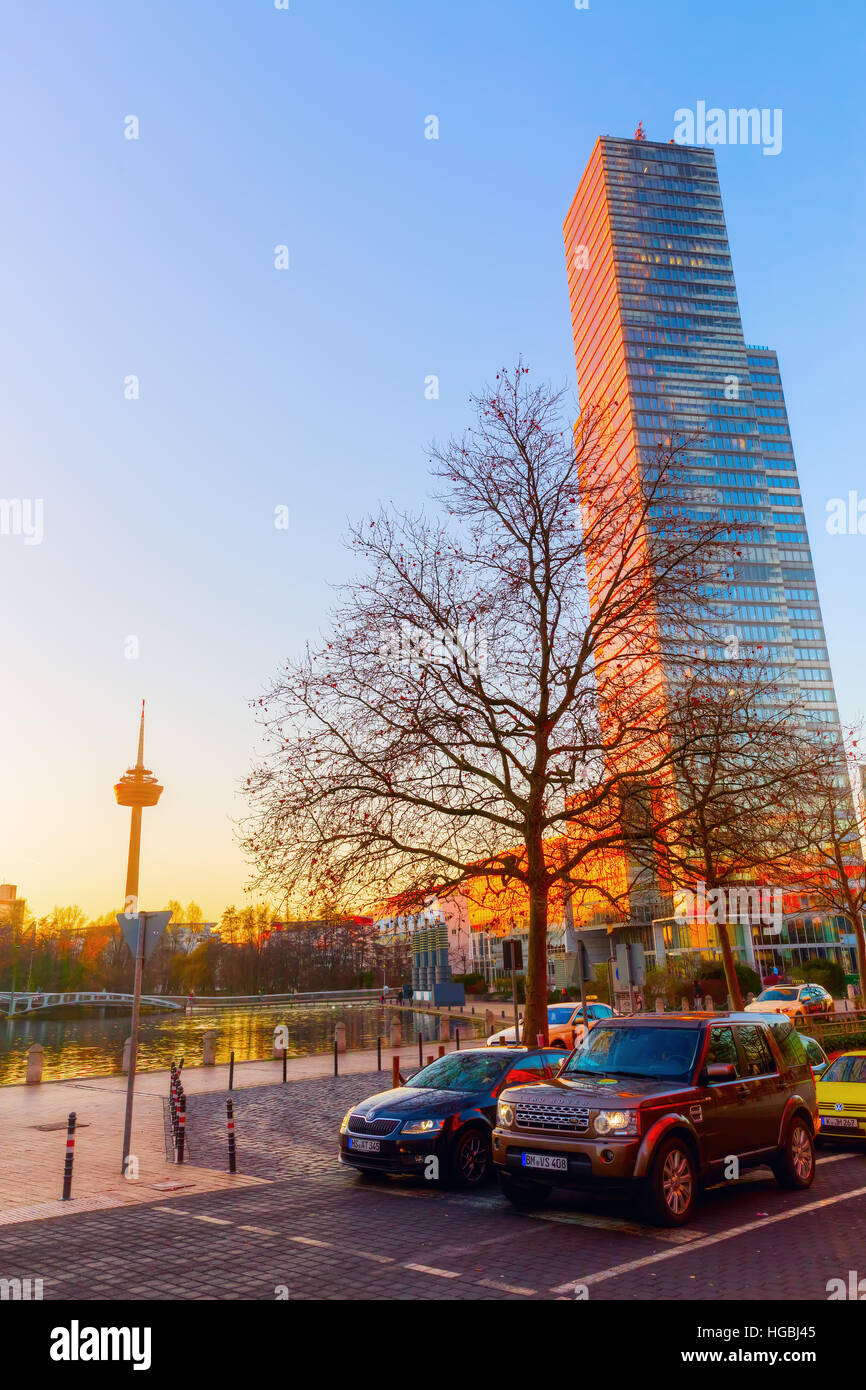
(730,973)
(535,1013)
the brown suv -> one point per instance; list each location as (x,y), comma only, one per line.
(662,1104)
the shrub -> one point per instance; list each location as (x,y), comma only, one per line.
(819,970)
(748,980)
(473,982)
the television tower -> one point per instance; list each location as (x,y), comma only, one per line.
(137,788)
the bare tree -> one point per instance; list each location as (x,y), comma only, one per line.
(742,763)
(830,830)
(490,686)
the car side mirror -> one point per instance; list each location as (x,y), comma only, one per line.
(721,1071)
(818,1071)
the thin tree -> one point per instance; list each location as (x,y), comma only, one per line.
(829,835)
(743,761)
(490,686)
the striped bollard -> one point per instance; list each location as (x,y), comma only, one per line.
(172,1104)
(230,1130)
(70,1154)
(181,1128)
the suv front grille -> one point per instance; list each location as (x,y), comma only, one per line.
(565,1118)
(358,1125)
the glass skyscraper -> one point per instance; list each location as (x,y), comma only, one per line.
(657,332)
(657,329)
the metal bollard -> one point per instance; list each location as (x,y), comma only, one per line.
(70,1154)
(420,1053)
(172,1103)
(181,1128)
(232,1071)
(285,1055)
(395,1072)
(336,1063)
(230,1129)
(379,1054)
(457,1036)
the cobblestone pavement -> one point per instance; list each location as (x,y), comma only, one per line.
(312,1230)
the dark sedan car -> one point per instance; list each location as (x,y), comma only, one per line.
(438,1125)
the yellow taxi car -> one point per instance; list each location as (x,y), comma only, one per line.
(841,1094)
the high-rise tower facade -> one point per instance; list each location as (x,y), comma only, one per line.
(657,330)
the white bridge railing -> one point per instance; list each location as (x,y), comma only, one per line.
(15,1005)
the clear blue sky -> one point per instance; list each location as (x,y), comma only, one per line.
(259,387)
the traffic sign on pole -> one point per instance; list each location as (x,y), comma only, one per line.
(155,924)
(142,931)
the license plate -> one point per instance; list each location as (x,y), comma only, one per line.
(365,1146)
(547,1161)
(838,1122)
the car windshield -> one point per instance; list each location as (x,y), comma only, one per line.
(846,1069)
(777,994)
(665,1052)
(463,1071)
(560,1013)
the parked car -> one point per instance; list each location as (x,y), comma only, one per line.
(842,1098)
(446,1110)
(659,1105)
(566,1025)
(794,1000)
(818,1059)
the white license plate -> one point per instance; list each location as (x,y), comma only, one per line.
(365,1146)
(838,1121)
(547,1161)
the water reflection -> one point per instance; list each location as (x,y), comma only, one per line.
(92,1046)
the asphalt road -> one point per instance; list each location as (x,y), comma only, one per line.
(313,1230)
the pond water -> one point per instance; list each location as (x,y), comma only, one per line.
(91,1046)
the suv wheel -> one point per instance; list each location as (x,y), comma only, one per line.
(671,1191)
(471,1160)
(795,1166)
(524,1194)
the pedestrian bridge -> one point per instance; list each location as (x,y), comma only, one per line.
(16,1005)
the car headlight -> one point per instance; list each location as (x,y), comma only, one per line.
(504,1114)
(345,1125)
(422,1126)
(616,1122)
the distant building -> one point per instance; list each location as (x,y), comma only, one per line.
(189,935)
(8,899)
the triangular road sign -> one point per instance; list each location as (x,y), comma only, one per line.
(155,924)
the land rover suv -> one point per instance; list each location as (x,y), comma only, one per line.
(660,1105)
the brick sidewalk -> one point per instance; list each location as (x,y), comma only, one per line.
(33,1131)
